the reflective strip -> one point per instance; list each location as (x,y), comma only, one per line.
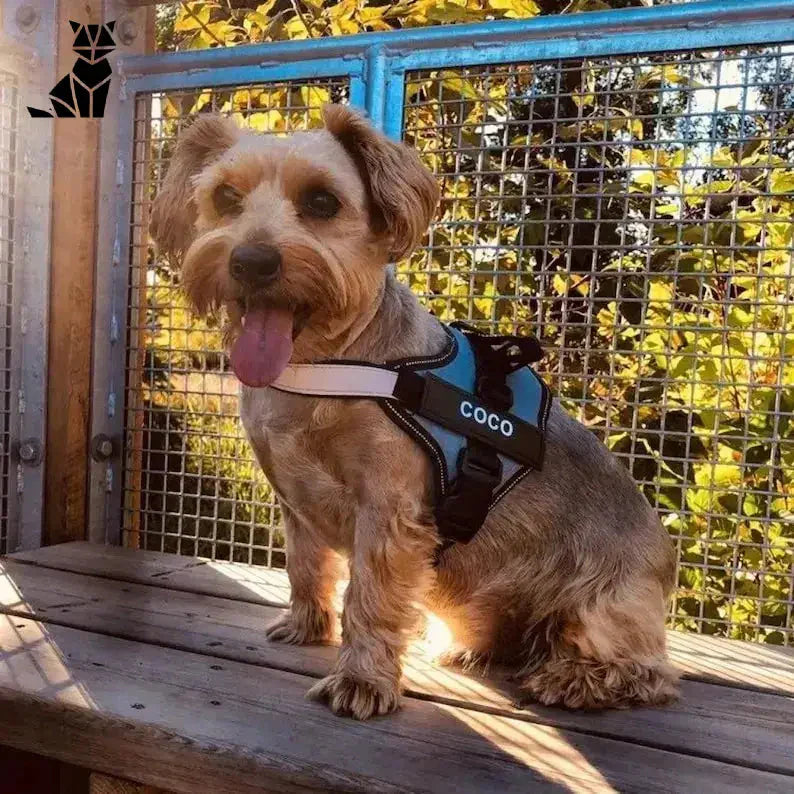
(337,380)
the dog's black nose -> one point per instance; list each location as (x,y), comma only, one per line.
(254,264)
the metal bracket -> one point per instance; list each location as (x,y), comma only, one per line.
(30,451)
(102,447)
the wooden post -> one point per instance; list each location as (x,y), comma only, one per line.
(71,300)
(74,225)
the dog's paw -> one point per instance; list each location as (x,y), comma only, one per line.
(463,658)
(315,627)
(350,696)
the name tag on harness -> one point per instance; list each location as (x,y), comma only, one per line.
(461,411)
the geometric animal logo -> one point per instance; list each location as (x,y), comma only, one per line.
(83,92)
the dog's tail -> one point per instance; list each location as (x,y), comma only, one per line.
(39,114)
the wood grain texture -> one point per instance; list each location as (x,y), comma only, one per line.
(766,668)
(107,784)
(72,273)
(170,571)
(723,723)
(187,722)
(71,300)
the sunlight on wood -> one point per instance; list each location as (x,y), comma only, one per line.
(269,585)
(10,596)
(539,747)
(764,666)
(25,667)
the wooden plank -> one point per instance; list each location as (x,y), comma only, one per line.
(180,721)
(74,179)
(227,580)
(766,668)
(727,724)
(106,784)
(75,173)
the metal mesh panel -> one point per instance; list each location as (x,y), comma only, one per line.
(8,121)
(191,484)
(636,214)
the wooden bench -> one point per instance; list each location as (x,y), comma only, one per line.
(154,668)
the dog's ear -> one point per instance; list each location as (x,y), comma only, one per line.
(174,211)
(403,193)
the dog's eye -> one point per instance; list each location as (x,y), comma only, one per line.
(227,200)
(320,203)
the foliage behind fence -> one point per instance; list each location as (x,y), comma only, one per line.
(634,212)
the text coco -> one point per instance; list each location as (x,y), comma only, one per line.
(482,417)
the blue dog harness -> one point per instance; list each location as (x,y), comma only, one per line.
(477,409)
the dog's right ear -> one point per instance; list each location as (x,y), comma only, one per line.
(174,211)
(402,192)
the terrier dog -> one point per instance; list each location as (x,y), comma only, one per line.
(568,578)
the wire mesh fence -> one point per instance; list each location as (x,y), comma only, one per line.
(633,212)
(191,483)
(8,126)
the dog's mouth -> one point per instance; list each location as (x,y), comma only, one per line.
(264,347)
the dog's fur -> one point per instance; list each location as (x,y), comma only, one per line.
(567,579)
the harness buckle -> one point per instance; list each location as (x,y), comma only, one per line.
(480,464)
(465,507)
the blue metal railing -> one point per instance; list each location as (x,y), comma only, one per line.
(377,62)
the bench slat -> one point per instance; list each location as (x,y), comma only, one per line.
(185,722)
(728,662)
(239,582)
(717,722)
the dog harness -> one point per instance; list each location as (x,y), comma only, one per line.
(477,409)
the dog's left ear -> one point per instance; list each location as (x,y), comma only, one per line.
(174,211)
(402,191)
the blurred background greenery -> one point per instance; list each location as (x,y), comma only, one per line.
(634,212)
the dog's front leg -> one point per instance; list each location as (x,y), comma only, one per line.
(313,570)
(390,570)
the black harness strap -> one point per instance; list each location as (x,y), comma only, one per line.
(464,510)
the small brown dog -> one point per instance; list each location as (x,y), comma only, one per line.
(567,579)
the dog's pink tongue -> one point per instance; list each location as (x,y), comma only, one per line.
(264,347)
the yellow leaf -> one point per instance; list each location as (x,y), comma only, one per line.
(516,9)
(660,293)
(782,181)
(723,158)
(192,18)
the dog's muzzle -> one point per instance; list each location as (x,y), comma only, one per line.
(255,265)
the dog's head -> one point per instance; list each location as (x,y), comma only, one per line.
(292,235)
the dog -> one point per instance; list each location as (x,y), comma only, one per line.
(567,580)
(83,92)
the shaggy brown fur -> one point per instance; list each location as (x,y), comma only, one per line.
(567,579)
